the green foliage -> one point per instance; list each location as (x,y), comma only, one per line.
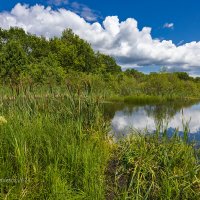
(107,64)
(52,149)
(150,167)
(54,140)
(24,55)
(183,76)
(56,146)
(135,74)
(27,61)
(13,62)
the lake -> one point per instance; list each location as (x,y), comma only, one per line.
(126,118)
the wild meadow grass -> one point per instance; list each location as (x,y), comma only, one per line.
(152,167)
(58,148)
(53,149)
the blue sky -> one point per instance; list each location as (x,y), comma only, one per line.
(154,13)
(184,14)
(174,20)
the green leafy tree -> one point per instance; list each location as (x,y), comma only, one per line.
(13,63)
(107,64)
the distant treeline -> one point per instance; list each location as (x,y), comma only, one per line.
(27,60)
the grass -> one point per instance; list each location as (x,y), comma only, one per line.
(53,149)
(58,148)
(150,167)
(146,99)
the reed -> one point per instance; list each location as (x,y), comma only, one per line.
(152,167)
(58,148)
(53,148)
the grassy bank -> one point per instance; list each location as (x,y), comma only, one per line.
(58,148)
(146,99)
(142,99)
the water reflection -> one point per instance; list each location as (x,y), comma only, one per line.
(149,117)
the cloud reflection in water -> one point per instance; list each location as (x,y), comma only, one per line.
(148,117)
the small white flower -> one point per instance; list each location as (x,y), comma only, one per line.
(2,120)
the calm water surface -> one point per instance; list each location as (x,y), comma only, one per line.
(171,116)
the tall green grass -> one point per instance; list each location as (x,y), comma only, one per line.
(53,149)
(152,167)
(58,148)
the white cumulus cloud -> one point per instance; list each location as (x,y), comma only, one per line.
(120,39)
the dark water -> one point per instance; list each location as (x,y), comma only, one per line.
(171,116)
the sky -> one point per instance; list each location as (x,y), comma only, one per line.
(141,34)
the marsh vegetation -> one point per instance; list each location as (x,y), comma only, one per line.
(54,133)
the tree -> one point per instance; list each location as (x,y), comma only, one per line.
(13,62)
(135,74)
(183,76)
(107,64)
